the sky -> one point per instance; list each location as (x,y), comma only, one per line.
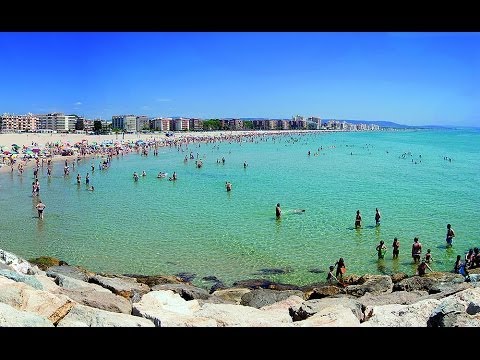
(407,78)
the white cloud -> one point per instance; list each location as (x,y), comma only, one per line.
(163,100)
(145,107)
(78,103)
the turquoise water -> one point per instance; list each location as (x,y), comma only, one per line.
(156,226)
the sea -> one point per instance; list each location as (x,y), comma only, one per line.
(419,179)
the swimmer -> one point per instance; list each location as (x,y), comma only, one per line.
(278,211)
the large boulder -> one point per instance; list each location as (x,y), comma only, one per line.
(397,277)
(18,277)
(121,285)
(232,295)
(168,309)
(228,315)
(262,297)
(11,317)
(331,316)
(186,291)
(324,291)
(44,262)
(311,307)
(25,298)
(394,315)
(428,282)
(264,284)
(74,272)
(396,297)
(461,309)
(85,316)
(374,284)
(152,280)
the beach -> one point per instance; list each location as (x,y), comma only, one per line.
(194,226)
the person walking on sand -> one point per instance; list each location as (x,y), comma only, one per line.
(40,207)
(396,246)
(416,250)
(450,235)
(278,211)
(358,220)
(377,217)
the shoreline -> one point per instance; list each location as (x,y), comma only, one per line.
(70,296)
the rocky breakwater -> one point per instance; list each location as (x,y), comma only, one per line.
(54,293)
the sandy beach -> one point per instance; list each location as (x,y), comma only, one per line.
(40,139)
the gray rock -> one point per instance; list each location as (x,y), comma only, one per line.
(186,291)
(397,297)
(228,315)
(394,315)
(5,266)
(104,300)
(331,316)
(152,280)
(263,284)
(121,285)
(84,316)
(74,284)
(262,297)
(429,282)
(70,271)
(442,290)
(459,309)
(27,279)
(374,284)
(11,317)
(311,307)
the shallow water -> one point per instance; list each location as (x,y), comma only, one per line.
(156,226)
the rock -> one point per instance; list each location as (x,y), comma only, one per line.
(442,290)
(460,309)
(261,297)
(353,279)
(264,284)
(272,271)
(394,315)
(44,262)
(48,283)
(244,316)
(374,284)
(281,309)
(316,271)
(311,307)
(211,278)
(332,316)
(168,309)
(121,285)
(397,277)
(23,297)
(11,317)
(74,284)
(427,282)
(232,295)
(152,280)
(5,266)
(396,297)
(186,276)
(70,271)
(18,264)
(186,291)
(27,279)
(217,286)
(84,316)
(324,291)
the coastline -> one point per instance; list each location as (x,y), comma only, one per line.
(63,295)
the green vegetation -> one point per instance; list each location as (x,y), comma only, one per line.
(44,262)
(211,124)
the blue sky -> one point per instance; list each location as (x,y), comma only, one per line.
(408,78)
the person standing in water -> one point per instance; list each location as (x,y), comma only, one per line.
(396,246)
(278,211)
(341,268)
(377,217)
(40,207)
(416,250)
(450,235)
(358,220)
(228,186)
(381,250)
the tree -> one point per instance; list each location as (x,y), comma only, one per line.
(211,124)
(97,126)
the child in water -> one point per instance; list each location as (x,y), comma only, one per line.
(381,249)
(330,276)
